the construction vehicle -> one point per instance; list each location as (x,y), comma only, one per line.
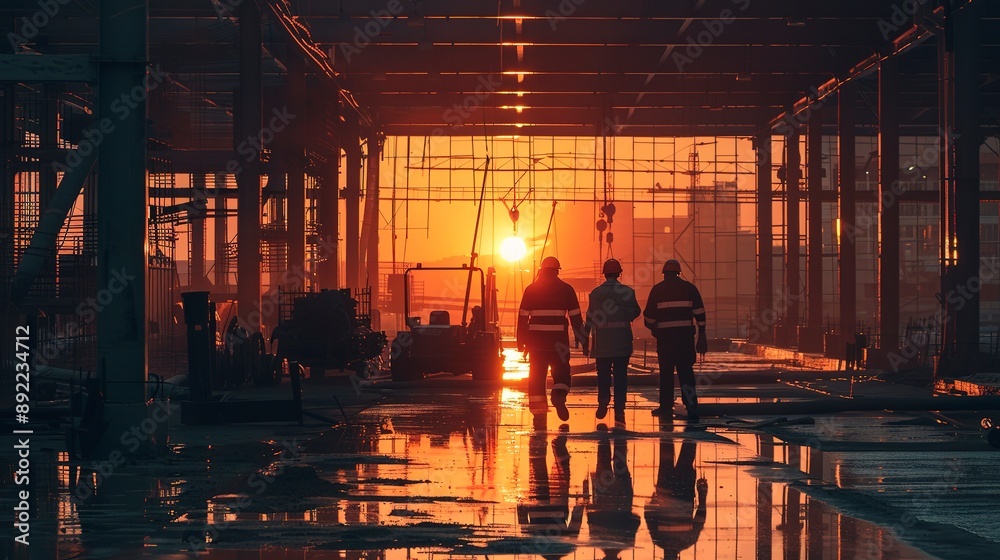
(327,330)
(440,346)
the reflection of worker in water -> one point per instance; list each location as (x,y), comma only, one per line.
(542,331)
(669,512)
(609,515)
(547,512)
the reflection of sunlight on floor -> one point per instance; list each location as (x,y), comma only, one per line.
(515,367)
(511,398)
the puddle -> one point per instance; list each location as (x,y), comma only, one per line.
(446,473)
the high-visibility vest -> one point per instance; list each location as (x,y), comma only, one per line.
(542,318)
(610,313)
(674,308)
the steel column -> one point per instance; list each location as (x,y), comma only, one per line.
(295,163)
(221,234)
(968,139)
(793,278)
(765,234)
(371,214)
(352,196)
(197,216)
(7,172)
(122,213)
(848,212)
(814,263)
(329,216)
(248,126)
(888,184)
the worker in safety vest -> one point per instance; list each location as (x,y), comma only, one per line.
(610,313)
(542,332)
(673,309)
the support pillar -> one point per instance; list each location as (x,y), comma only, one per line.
(370,236)
(295,163)
(848,214)
(888,184)
(198,259)
(762,327)
(329,217)
(814,262)
(352,214)
(8,147)
(793,279)
(48,182)
(967,140)
(221,234)
(122,213)
(248,125)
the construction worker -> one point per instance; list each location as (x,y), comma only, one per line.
(541,330)
(673,309)
(610,314)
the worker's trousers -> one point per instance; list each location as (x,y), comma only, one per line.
(682,357)
(538,369)
(608,368)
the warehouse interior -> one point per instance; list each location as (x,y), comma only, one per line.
(207,204)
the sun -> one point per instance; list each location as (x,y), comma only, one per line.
(513,249)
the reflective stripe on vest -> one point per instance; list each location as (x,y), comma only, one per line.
(671,324)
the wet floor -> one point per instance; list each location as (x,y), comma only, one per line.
(456,472)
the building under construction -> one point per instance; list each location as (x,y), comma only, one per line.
(267,241)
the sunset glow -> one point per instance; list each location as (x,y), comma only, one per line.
(513,249)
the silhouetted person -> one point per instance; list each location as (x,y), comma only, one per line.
(542,331)
(674,522)
(547,513)
(610,515)
(610,314)
(672,310)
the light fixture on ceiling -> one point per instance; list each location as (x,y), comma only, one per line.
(795,21)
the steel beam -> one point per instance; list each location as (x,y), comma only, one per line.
(968,139)
(888,151)
(814,264)
(793,279)
(248,126)
(122,213)
(765,238)
(848,211)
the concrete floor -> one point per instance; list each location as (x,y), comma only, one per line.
(447,468)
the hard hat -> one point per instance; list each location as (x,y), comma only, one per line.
(550,262)
(673,265)
(612,266)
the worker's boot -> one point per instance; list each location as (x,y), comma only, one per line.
(619,419)
(602,410)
